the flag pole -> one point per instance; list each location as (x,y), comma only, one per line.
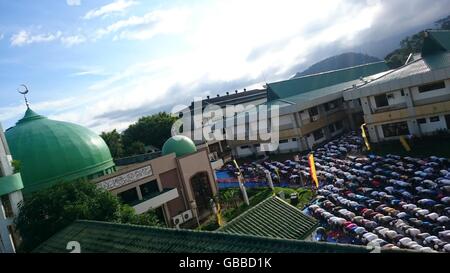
(241,184)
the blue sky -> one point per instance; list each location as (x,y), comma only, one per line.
(105,63)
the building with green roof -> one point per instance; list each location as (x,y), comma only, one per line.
(52,151)
(102,237)
(274,218)
(311,109)
(301,85)
(413,99)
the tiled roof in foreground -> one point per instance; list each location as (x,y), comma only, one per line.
(273,218)
(102,237)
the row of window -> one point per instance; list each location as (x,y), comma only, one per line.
(333,104)
(318,134)
(280,142)
(382,99)
(336,126)
(424,120)
(431,86)
(395,129)
(6,202)
(131,197)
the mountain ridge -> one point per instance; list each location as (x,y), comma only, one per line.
(336,62)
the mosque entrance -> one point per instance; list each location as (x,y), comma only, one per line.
(202,192)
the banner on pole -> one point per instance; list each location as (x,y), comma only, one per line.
(405,144)
(312,169)
(364,136)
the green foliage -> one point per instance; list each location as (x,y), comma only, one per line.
(210,224)
(236,206)
(444,23)
(135,148)
(253,200)
(16,164)
(408,45)
(151,130)
(114,141)
(48,211)
(128,215)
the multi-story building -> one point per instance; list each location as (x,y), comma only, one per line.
(10,195)
(311,109)
(178,185)
(413,99)
(219,150)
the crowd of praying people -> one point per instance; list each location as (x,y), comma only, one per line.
(386,201)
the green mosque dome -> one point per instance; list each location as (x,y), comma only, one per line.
(52,151)
(180,145)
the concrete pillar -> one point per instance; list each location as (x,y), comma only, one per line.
(7,241)
(373,133)
(414,127)
(15,199)
(365,104)
(351,119)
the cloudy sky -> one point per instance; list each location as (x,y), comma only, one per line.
(105,63)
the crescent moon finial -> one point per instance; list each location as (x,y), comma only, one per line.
(24,93)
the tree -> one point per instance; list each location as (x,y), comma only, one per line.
(114,141)
(151,130)
(48,211)
(444,23)
(136,148)
(412,44)
(408,45)
(16,164)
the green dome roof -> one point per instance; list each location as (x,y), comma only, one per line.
(180,145)
(52,151)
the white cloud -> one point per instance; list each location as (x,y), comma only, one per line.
(114,7)
(73,40)
(2,36)
(73,2)
(89,71)
(24,37)
(147,26)
(17,111)
(217,40)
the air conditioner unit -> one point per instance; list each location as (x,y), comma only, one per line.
(178,220)
(187,215)
(315,118)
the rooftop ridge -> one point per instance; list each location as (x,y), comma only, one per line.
(194,240)
(327,72)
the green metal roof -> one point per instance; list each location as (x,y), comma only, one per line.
(437,41)
(180,145)
(53,151)
(296,86)
(102,237)
(273,218)
(421,66)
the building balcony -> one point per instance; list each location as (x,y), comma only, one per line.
(10,183)
(403,114)
(390,108)
(155,200)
